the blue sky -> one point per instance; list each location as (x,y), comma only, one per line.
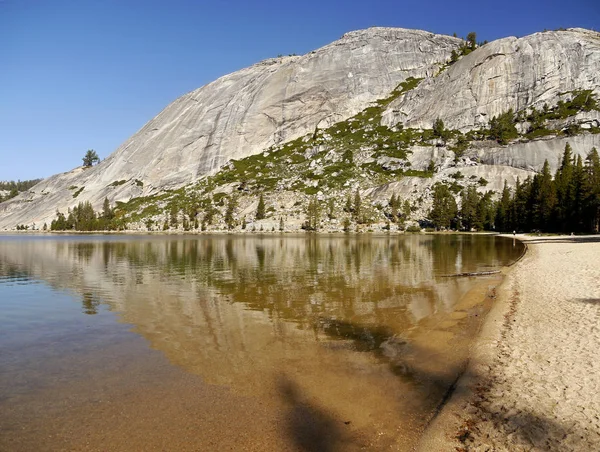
(81,74)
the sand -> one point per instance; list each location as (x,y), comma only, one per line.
(533,380)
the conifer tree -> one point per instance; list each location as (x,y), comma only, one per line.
(348,205)
(485,212)
(577,220)
(472,40)
(444,209)
(394,207)
(231,206)
(569,203)
(173,214)
(90,158)
(565,192)
(468,209)
(503,210)
(544,201)
(406,209)
(313,215)
(357,206)
(107,213)
(260,210)
(592,191)
(209,213)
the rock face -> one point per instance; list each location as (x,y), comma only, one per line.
(242,114)
(278,100)
(508,73)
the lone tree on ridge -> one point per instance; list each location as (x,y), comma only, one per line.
(90,158)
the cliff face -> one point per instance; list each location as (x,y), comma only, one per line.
(242,114)
(278,100)
(508,73)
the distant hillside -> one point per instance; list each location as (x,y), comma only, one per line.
(10,189)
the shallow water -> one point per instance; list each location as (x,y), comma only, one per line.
(234,342)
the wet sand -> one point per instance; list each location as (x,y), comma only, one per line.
(533,380)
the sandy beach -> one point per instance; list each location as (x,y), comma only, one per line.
(533,380)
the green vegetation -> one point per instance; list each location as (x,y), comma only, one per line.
(14,188)
(502,128)
(83,218)
(413,229)
(260,210)
(578,101)
(331,162)
(90,158)
(569,202)
(229,218)
(78,192)
(313,215)
(444,208)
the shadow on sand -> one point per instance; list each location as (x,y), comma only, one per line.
(593,301)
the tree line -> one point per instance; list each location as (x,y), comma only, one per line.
(14,188)
(82,217)
(567,202)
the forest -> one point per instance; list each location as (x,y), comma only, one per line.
(568,201)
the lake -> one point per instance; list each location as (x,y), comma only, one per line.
(274,342)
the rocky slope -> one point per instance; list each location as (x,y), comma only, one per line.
(508,73)
(356,114)
(242,114)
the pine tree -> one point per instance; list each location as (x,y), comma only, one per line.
(544,202)
(313,215)
(472,40)
(521,205)
(107,213)
(485,213)
(394,207)
(444,209)
(348,205)
(209,213)
(231,206)
(453,56)
(331,208)
(503,210)
(565,191)
(90,158)
(357,206)
(592,191)
(406,209)
(173,214)
(577,220)
(438,128)
(468,208)
(260,210)
(502,128)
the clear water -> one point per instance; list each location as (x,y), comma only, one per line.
(208,343)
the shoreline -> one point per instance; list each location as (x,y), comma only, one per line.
(242,233)
(520,389)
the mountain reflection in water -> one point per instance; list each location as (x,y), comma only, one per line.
(344,315)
